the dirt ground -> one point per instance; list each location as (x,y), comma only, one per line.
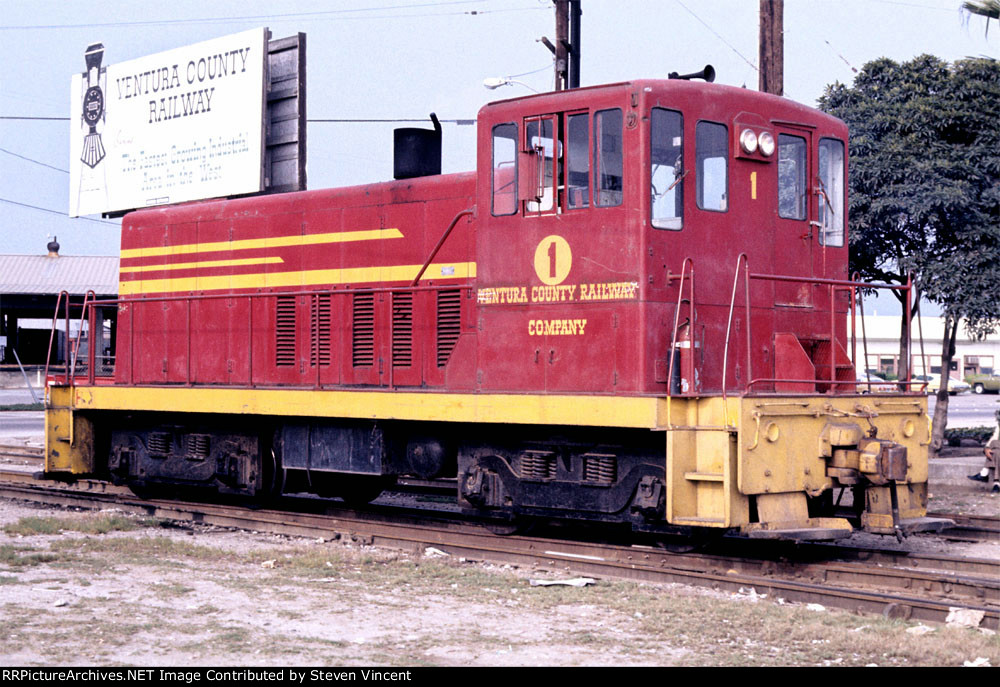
(80,588)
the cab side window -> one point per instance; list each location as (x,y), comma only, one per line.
(711,147)
(831,192)
(608,158)
(541,138)
(667,171)
(791,177)
(505,169)
(578,161)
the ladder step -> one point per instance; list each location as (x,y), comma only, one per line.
(698,521)
(704,477)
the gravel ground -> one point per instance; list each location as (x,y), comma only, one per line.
(151,593)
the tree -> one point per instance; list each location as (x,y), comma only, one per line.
(984,8)
(925,187)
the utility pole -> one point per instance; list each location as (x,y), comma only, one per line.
(772,47)
(574,43)
(567,45)
(562,44)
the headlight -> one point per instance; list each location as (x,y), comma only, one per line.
(766,144)
(748,141)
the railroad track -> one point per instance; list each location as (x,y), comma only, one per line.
(897,584)
(970,528)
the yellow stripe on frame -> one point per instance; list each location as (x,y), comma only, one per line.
(350,275)
(270,242)
(203,263)
(579,410)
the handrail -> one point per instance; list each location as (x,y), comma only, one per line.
(315,296)
(843,382)
(864,335)
(79,332)
(677,313)
(729,322)
(833,284)
(444,237)
(52,334)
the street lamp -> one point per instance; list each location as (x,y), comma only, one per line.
(495,82)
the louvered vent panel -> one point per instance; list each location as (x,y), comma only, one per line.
(402,330)
(363,330)
(449,310)
(322,315)
(284,331)
(158,443)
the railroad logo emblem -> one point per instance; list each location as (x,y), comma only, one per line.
(553,260)
(93,106)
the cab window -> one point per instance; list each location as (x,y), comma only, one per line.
(831,192)
(540,137)
(608,159)
(711,147)
(791,177)
(667,168)
(578,161)
(505,169)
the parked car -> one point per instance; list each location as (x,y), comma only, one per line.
(955,386)
(983,383)
(874,384)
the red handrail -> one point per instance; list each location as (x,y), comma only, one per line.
(88,297)
(250,298)
(52,334)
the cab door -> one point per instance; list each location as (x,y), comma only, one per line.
(795,225)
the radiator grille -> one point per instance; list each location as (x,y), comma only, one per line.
(402,330)
(284,331)
(322,315)
(449,310)
(363,330)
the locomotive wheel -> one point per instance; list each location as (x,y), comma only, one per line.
(508,528)
(362,490)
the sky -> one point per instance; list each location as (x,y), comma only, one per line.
(384,59)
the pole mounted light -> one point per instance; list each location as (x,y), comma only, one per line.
(495,82)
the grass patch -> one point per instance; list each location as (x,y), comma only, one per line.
(171,589)
(20,557)
(91,524)
(23,406)
(146,550)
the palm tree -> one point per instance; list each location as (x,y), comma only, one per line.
(984,8)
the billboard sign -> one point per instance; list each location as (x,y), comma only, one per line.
(167,128)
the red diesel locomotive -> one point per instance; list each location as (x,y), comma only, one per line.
(634,310)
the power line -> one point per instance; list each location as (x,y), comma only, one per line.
(55,212)
(717,35)
(459,122)
(319,15)
(35,119)
(37,162)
